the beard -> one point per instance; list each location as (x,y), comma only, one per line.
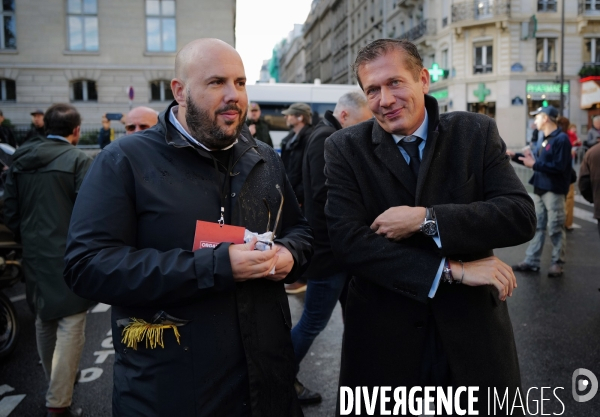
(206,130)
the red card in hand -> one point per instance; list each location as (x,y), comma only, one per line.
(209,235)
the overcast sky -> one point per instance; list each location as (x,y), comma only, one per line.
(260,24)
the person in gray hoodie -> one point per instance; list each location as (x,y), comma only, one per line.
(41,188)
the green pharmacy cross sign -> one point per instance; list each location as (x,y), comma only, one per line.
(481,93)
(435,73)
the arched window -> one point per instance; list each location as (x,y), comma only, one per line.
(160,90)
(84,90)
(8,90)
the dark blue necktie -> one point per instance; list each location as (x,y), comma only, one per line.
(412,149)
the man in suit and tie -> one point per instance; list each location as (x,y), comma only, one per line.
(417,202)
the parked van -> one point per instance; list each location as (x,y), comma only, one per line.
(273,98)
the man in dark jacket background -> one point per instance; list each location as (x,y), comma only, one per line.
(257,125)
(551,179)
(41,188)
(299,118)
(226,348)
(325,276)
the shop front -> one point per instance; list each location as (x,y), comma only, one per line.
(482,99)
(590,97)
(442,98)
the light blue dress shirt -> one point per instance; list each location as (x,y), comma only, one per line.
(422,133)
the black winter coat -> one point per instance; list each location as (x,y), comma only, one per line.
(40,191)
(323,263)
(480,205)
(130,246)
(292,154)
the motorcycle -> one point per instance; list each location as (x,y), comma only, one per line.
(11,271)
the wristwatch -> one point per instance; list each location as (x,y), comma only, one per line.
(429,225)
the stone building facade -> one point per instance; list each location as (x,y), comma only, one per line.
(93,52)
(498,57)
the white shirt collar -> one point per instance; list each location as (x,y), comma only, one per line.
(420,132)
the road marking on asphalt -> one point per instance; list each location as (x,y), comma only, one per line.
(579,199)
(101,308)
(576,226)
(17,298)
(8,404)
(5,388)
(90,374)
(586,215)
(103,355)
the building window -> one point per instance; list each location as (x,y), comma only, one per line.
(160,25)
(444,60)
(592,51)
(82,21)
(592,5)
(483,59)
(8,28)
(484,8)
(8,90)
(84,90)
(546,5)
(160,90)
(545,55)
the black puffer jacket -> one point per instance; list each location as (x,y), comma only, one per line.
(130,245)
(292,153)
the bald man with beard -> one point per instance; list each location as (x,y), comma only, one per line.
(204,332)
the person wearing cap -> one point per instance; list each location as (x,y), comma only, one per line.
(298,117)
(257,125)
(37,125)
(551,165)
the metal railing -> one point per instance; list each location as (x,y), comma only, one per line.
(476,10)
(88,136)
(425,27)
(545,66)
(482,69)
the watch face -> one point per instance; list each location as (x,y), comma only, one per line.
(430,228)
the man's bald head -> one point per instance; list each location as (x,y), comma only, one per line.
(210,90)
(140,118)
(199,50)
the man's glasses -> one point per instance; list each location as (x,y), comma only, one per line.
(132,128)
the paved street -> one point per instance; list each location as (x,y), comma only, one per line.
(556,324)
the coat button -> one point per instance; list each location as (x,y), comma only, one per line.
(233,194)
(186,348)
(124,350)
(419,324)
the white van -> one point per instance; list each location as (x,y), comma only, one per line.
(273,98)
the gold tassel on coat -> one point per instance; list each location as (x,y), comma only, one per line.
(138,330)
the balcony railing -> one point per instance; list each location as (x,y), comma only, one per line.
(545,66)
(477,10)
(589,68)
(482,69)
(425,27)
(589,7)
